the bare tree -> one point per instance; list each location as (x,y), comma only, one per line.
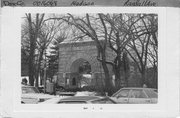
(120,26)
(138,49)
(53,58)
(37,34)
(47,34)
(34,24)
(92,26)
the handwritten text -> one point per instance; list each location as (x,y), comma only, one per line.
(140,3)
(82,3)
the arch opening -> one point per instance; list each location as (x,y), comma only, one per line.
(80,73)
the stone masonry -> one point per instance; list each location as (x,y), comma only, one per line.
(71,55)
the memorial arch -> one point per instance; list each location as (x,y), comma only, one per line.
(71,56)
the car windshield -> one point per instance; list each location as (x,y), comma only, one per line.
(72,102)
(151,93)
(29,90)
(122,93)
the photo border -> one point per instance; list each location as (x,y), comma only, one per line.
(11,67)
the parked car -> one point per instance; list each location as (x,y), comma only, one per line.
(87,93)
(135,96)
(155,90)
(41,89)
(80,100)
(65,93)
(31,95)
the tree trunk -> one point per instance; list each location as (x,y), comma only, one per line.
(126,68)
(126,78)
(117,70)
(32,49)
(155,83)
(117,77)
(31,73)
(108,83)
(143,77)
(38,67)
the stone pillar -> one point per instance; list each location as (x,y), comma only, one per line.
(61,79)
(97,80)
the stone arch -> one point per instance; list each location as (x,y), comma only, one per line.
(82,56)
(74,67)
(70,57)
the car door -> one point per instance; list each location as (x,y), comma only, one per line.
(138,96)
(103,101)
(122,96)
(27,100)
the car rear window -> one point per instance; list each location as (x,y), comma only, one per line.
(137,94)
(151,94)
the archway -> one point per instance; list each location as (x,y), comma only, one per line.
(70,59)
(80,73)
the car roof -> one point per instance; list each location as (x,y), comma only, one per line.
(27,86)
(130,88)
(82,98)
(136,88)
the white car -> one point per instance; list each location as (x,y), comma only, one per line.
(31,95)
(85,93)
(80,100)
(135,96)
